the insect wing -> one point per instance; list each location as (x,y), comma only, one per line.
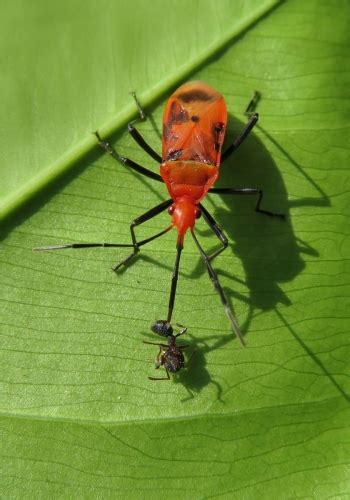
(194,124)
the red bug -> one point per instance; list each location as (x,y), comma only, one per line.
(194,125)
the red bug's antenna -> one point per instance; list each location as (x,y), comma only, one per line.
(179,247)
(184,213)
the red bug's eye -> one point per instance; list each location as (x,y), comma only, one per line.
(171,210)
(198,213)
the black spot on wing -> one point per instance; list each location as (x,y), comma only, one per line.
(174,154)
(178,114)
(195,118)
(218,128)
(218,133)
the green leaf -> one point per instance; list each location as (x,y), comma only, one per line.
(77,65)
(79,416)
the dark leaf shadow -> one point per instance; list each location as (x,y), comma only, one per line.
(267,248)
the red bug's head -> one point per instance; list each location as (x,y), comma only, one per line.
(184,214)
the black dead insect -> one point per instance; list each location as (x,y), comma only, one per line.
(170,355)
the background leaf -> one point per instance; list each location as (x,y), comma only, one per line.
(77,63)
(80,416)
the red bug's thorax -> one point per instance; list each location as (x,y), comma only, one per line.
(191,179)
(184,213)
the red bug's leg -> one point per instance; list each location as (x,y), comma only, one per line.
(250,109)
(103,245)
(209,219)
(174,278)
(135,134)
(248,191)
(140,220)
(106,146)
(80,245)
(241,138)
(215,280)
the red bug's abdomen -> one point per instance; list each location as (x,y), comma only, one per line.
(188,178)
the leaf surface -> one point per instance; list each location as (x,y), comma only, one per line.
(79,416)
